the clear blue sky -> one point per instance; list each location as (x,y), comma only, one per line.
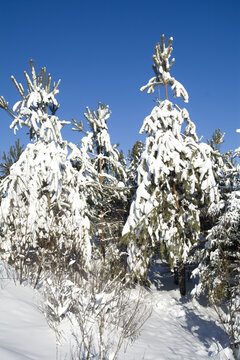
(102,51)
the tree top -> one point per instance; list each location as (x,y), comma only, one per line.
(161,67)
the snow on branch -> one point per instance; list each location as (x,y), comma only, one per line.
(97,119)
(161,67)
(38,106)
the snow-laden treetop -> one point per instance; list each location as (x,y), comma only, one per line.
(37,108)
(97,144)
(161,67)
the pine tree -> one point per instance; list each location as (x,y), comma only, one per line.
(175,179)
(219,257)
(43,213)
(134,158)
(221,162)
(107,195)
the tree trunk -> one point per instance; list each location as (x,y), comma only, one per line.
(175,270)
(182,279)
(102,244)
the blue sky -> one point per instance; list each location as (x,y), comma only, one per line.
(102,51)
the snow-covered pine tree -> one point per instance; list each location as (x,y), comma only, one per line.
(175,179)
(107,193)
(219,258)
(221,164)
(134,158)
(43,212)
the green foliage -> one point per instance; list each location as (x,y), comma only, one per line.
(134,155)
(216,140)
(134,158)
(8,159)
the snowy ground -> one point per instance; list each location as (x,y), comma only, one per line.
(177,329)
(24,333)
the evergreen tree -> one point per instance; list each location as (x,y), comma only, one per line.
(218,257)
(43,211)
(134,158)
(10,158)
(107,194)
(221,163)
(175,179)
